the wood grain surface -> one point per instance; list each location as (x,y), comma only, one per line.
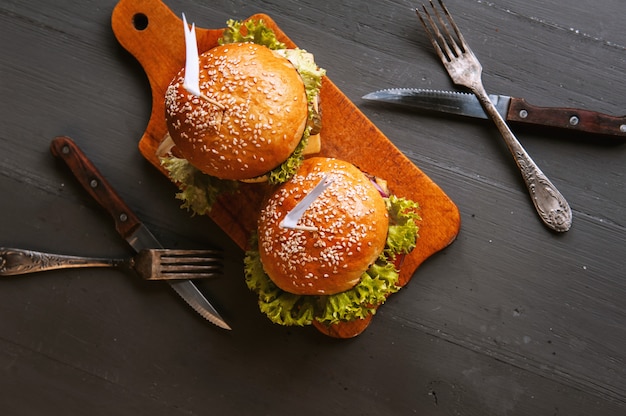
(510,319)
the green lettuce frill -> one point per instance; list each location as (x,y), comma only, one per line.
(198,191)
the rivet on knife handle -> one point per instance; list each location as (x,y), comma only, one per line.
(570,118)
(92,180)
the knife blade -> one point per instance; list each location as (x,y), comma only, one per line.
(511,108)
(127,224)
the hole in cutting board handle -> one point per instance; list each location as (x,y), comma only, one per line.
(140,21)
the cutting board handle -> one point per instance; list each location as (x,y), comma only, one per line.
(154,35)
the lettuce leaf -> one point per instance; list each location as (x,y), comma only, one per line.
(198,191)
(280,306)
(254,31)
(403,229)
(289,167)
(376,284)
(307,68)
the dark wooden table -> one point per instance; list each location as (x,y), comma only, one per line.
(511,319)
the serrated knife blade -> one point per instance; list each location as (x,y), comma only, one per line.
(512,109)
(127,223)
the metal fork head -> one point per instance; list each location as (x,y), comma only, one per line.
(168,264)
(451,47)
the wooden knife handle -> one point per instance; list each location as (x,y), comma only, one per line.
(92,180)
(569,118)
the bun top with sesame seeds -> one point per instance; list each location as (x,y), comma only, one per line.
(250,117)
(343,231)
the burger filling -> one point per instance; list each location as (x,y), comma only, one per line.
(199,191)
(378,282)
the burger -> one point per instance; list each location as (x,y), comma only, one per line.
(255,117)
(340,261)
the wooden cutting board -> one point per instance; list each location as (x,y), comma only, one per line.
(151,32)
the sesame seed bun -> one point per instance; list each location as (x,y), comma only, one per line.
(252,118)
(351,221)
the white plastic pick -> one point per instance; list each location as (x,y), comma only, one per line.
(192,62)
(293,216)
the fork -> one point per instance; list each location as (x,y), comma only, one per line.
(150,264)
(465,70)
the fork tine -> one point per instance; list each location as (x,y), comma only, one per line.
(447,45)
(166,264)
(175,256)
(188,264)
(440,43)
(191,267)
(461,45)
(442,24)
(193,274)
(432,36)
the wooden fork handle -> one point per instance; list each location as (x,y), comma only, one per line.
(92,180)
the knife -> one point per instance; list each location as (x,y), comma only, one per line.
(511,109)
(127,223)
